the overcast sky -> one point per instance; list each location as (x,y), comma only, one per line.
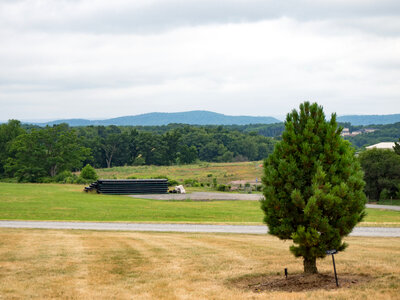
(100,58)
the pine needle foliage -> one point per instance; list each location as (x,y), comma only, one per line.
(313,186)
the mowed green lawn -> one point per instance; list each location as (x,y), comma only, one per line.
(69,202)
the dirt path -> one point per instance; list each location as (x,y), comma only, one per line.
(167,227)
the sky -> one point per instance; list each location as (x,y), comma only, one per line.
(98,59)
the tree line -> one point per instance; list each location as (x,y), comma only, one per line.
(31,153)
(383,133)
(37,154)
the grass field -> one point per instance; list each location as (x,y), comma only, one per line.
(45,264)
(203,172)
(68,202)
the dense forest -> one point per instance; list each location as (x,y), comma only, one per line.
(31,153)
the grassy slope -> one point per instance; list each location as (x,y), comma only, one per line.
(224,172)
(68,202)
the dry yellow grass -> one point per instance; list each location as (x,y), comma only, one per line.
(224,172)
(128,265)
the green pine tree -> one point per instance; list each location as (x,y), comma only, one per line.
(313,186)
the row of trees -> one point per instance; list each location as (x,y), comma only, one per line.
(34,153)
(381,173)
(383,133)
(118,146)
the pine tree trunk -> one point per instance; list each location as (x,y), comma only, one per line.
(310,265)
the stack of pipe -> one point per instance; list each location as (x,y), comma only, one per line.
(129,186)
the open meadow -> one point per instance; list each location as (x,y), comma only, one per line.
(76,264)
(70,203)
(202,172)
(70,264)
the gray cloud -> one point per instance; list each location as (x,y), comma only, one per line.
(148,16)
(62,58)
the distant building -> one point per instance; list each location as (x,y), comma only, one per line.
(385,145)
(354,133)
(346,131)
(368,130)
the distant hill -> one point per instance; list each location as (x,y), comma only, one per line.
(201,117)
(198,117)
(370,119)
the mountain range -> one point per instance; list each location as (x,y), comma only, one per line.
(370,119)
(197,117)
(201,117)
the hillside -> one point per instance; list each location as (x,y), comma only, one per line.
(370,119)
(197,117)
(201,117)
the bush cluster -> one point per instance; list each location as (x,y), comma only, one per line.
(87,175)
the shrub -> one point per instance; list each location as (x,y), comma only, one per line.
(191,182)
(61,177)
(72,179)
(88,173)
(139,161)
(171,182)
(46,180)
(214,184)
(223,187)
(384,195)
(81,180)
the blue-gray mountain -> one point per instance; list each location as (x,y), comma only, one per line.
(370,119)
(197,117)
(200,117)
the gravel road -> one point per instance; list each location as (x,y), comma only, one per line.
(208,196)
(389,207)
(257,229)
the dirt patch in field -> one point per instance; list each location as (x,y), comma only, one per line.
(297,282)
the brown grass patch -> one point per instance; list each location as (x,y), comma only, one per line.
(68,264)
(298,282)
